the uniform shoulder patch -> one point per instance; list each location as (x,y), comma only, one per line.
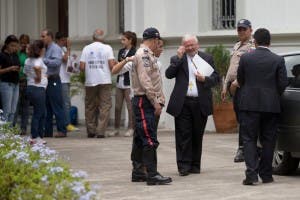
(146,51)
(146,61)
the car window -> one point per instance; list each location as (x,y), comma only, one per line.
(292,63)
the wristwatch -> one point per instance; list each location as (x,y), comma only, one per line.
(126,59)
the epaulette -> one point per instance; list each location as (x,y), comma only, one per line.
(146,51)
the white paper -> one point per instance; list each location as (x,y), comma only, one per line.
(202,66)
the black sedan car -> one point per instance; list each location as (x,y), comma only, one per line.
(287,152)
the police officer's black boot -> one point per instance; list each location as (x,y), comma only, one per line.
(138,173)
(153,177)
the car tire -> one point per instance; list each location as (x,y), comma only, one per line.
(284,163)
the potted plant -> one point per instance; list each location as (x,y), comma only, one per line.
(223,113)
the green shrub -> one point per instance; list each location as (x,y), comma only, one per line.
(35,172)
(221,58)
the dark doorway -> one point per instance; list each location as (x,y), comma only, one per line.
(63,16)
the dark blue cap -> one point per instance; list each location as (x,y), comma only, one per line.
(151,33)
(245,23)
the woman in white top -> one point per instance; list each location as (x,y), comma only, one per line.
(122,89)
(37,81)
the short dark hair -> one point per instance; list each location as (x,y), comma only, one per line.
(59,35)
(24,37)
(49,32)
(296,70)
(35,49)
(262,36)
(9,39)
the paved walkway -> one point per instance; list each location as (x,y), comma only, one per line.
(107,163)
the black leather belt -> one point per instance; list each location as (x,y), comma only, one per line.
(54,76)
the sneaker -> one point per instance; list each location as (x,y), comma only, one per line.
(40,141)
(37,140)
(128,133)
(32,141)
(71,128)
(2,118)
(113,133)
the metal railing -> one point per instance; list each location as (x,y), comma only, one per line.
(224,14)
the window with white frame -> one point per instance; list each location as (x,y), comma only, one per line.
(224,14)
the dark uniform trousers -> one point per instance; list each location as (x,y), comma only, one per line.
(145,137)
(189,129)
(251,124)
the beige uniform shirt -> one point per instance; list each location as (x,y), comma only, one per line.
(146,77)
(238,50)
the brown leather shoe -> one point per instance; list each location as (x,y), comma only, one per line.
(60,135)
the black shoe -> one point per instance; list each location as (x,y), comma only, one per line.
(138,177)
(183,173)
(239,157)
(249,182)
(91,135)
(100,136)
(268,180)
(158,180)
(194,171)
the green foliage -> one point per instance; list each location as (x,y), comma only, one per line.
(35,172)
(221,58)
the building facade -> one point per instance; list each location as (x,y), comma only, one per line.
(213,21)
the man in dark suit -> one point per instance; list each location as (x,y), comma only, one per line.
(190,103)
(262,78)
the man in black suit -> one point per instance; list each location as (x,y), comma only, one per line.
(262,78)
(190,103)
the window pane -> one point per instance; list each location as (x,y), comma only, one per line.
(224,14)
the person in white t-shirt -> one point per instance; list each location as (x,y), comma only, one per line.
(63,42)
(37,81)
(96,62)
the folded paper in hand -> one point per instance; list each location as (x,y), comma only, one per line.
(202,66)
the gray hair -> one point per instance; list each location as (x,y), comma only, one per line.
(98,35)
(187,37)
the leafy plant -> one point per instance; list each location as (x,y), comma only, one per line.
(77,83)
(35,171)
(221,58)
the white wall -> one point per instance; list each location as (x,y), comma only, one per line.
(28,18)
(86,16)
(277,15)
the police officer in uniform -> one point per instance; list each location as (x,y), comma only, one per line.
(147,103)
(245,44)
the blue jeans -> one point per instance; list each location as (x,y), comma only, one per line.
(54,105)
(23,106)
(9,98)
(66,100)
(37,97)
